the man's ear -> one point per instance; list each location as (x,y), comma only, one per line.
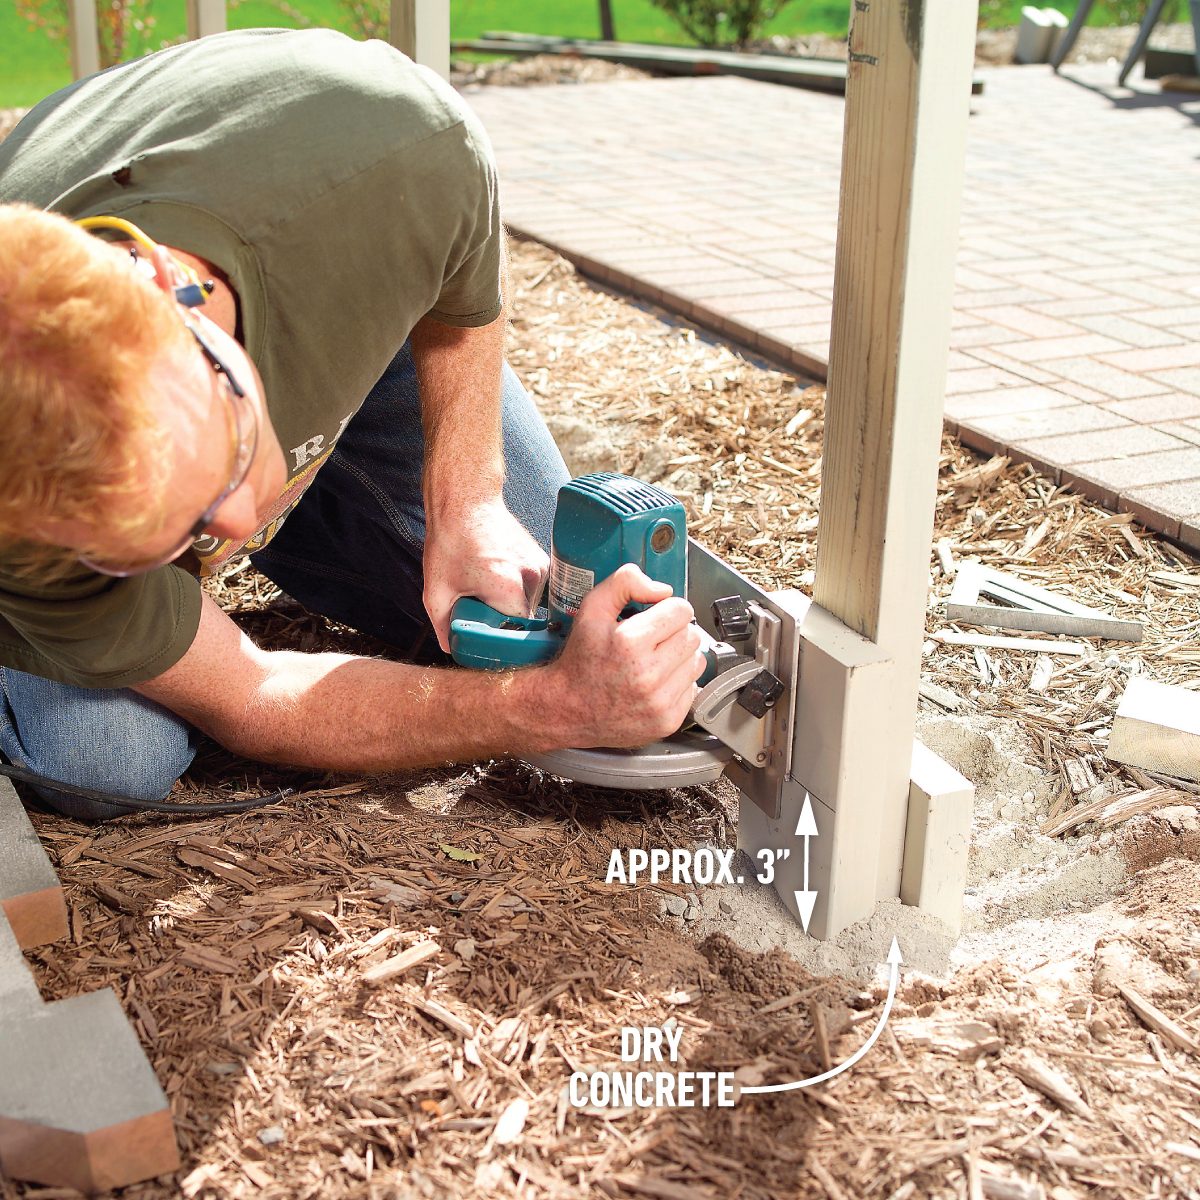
(165,270)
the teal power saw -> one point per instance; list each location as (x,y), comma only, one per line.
(738,723)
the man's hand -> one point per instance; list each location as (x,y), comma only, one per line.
(626,683)
(486,553)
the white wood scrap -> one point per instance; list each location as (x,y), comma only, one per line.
(941,696)
(951,637)
(1042,1077)
(945,553)
(1042,673)
(399,963)
(1156,1019)
(1079,775)
(1157,728)
(955,1036)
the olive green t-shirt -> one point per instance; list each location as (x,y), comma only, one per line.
(346,193)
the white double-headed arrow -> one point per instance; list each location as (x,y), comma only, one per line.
(807,829)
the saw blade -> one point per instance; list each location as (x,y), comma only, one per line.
(685,759)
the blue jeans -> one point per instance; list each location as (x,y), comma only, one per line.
(351,550)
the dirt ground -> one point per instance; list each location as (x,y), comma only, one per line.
(241,947)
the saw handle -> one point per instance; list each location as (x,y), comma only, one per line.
(487,639)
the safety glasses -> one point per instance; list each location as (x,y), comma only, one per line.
(243,428)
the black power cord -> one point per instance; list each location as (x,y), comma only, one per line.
(136,806)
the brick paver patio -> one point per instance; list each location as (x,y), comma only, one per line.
(1076,338)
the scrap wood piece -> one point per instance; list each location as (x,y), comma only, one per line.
(951,637)
(375,943)
(1042,673)
(1176,579)
(1079,775)
(399,894)
(399,963)
(443,1016)
(942,697)
(1052,1084)
(1156,1019)
(207,959)
(125,864)
(214,866)
(1157,727)
(116,899)
(1021,605)
(323,922)
(979,477)
(1003,1187)
(961,1038)
(511,1122)
(225,853)
(1110,811)
(662,1189)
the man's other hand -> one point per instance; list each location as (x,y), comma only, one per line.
(626,683)
(486,553)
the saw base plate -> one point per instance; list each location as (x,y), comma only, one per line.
(683,760)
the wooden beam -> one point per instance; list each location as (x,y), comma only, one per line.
(902,172)
(84,36)
(907,104)
(421,29)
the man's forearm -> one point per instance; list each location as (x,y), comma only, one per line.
(616,683)
(339,712)
(353,714)
(459,372)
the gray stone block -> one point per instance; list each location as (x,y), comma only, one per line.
(30,894)
(18,988)
(79,1104)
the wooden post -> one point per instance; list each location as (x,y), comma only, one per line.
(421,29)
(205,17)
(907,103)
(84,37)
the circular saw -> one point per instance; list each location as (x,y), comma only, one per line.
(737,723)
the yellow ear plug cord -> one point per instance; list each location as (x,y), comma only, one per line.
(191,294)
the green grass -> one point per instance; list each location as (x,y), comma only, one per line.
(32,65)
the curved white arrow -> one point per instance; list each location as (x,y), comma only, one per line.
(893,958)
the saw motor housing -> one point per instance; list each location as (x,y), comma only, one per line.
(602,521)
